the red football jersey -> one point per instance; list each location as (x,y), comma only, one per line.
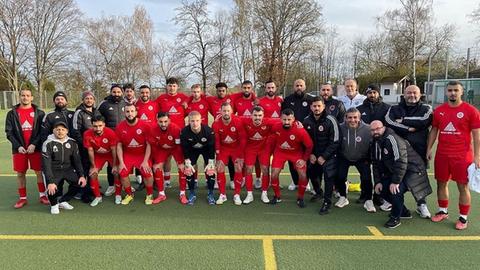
(101,144)
(26,122)
(200,106)
(292,140)
(271,106)
(257,135)
(244,107)
(168,139)
(174,105)
(147,111)
(454,127)
(230,136)
(133,138)
(215,105)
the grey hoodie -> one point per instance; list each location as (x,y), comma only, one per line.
(355,143)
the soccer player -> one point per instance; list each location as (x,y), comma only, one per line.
(229,139)
(101,144)
(215,102)
(258,129)
(271,103)
(60,163)
(243,105)
(23,127)
(133,151)
(291,142)
(198,102)
(454,122)
(165,141)
(147,109)
(198,139)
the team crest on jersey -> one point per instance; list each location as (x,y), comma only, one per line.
(292,137)
(70,116)
(179,100)
(32,114)
(233,129)
(55,149)
(170,138)
(460,115)
(201,106)
(304,104)
(67,145)
(264,127)
(150,108)
(331,108)
(385,151)
(203,139)
(358,139)
(105,140)
(320,128)
(139,131)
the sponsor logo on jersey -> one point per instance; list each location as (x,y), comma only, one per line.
(257,136)
(450,128)
(110,108)
(173,110)
(364,113)
(275,114)
(102,150)
(26,125)
(228,139)
(56,116)
(143,117)
(286,146)
(197,145)
(133,143)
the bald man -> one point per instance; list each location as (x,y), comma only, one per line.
(352,97)
(397,168)
(411,119)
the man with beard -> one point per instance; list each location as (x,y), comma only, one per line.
(355,140)
(352,97)
(373,108)
(198,102)
(82,121)
(101,144)
(198,140)
(111,108)
(455,123)
(133,151)
(243,105)
(61,113)
(147,109)
(299,102)
(129,94)
(165,141)
(271,103)
(229,138)
(333,106)
(290,142)
(323,130)
(23,127)
(411,120)
(215,102)
(397,168)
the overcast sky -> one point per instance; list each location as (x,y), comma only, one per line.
(351,17)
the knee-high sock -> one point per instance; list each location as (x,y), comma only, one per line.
(276,186)
(238,182)
(249,181)
(265,182)
(182,181)
(302,185)
(41,187)
(221,182)
(158,177)
(149,189)
(118,186)
(128,190)
(95,186)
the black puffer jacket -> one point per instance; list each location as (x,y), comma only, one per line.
(419,117)
(299,104)
(82,121)
(51,118)
(373,111)
(336,108)
(112,110)
(325,135)
(13,129)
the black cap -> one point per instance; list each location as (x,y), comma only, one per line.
(372,87)
(59,94)
(60,123)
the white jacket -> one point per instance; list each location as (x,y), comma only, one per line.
(355,102)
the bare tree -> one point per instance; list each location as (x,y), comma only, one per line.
(13,26)
(166,62)
(222,28)
(52,30)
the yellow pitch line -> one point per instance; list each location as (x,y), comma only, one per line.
(242,237)
(374,231)
(269,254)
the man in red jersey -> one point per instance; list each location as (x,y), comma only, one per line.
(271,103)
(290,143)
(101,144)
(257,130)
(243,105)
(198,102)
(147,109)
(215,102)
(22,127)
(454,122)
(165,141)
(229,143)
(133,151)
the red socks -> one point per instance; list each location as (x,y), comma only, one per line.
(221,182)
(158,177)
(302,185)
(118,186)
(237,178)
(265,182)
(41,187)
(464,209)
(95,186)
(276,186)
(443,203)
(249,182)
(22,192)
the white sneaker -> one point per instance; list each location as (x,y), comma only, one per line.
(258,183)
(336,194)
(110,190)
(118,199)
(342,202)
(221,199)
(237,200)
(167,184)
(386,206)
(292,186)
(54,209)
(368,205)
(264,197)
(96,201)
(216,185)
(232,185)
(65,205)
(249,198)
(138,178)
(422,210)
(309,189)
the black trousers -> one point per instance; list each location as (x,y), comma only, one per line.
(366,182)
(397,200)
(64,176)
(327,171)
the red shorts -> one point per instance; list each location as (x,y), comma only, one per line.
(21,162)
(252,155)
(280,158)
(131,162)
(454,168)
(100,160)
(161,156)
(227,153)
